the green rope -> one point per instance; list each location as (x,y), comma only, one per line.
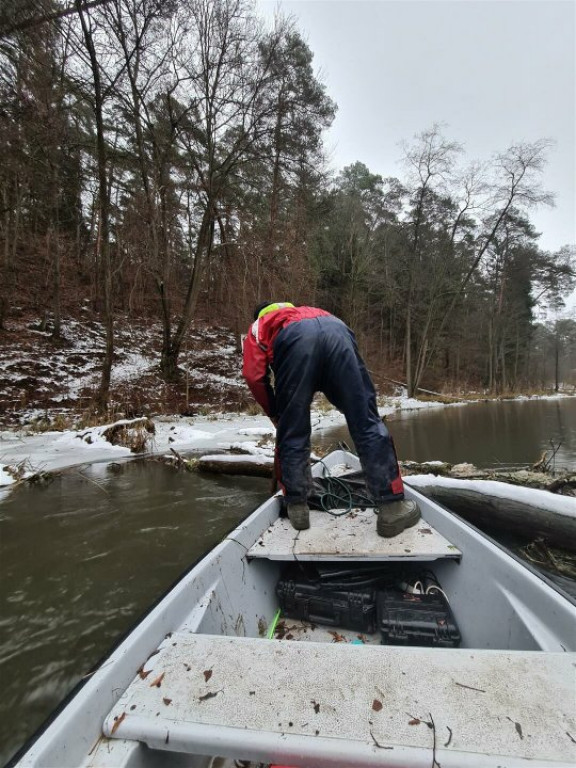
(340,497)
(272,628)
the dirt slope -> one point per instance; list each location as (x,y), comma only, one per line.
(42,379)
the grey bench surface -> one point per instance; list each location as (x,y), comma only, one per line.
(254,698)
(350,537)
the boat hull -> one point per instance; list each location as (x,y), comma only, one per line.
(503,609)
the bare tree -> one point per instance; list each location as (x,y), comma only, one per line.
(147,39)
(431,161)
(97,100)
(515,184)
(223,81)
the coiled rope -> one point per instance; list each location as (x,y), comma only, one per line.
(338,496)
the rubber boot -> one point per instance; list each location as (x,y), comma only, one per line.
(394,517)
(299,515)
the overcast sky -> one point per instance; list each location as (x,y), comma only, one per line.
(493,71)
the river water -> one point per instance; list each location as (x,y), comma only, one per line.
(83,557)
(486,434)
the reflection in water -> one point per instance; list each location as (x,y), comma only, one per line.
(484,434)
(82,558)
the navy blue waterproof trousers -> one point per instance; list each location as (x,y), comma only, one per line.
(321,355)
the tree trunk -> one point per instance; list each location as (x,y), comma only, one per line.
(409,381)
(556,362)
(53,238)
(5,260)
(250,466)
(171,347)
(103,394)
(275,184)
(53,254)
(57,330)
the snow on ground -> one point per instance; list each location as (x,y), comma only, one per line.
(5,477)
(41,378)
(260,432)
(23,455)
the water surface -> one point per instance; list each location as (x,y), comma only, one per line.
(489,434)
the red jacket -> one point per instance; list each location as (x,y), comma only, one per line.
(259,350)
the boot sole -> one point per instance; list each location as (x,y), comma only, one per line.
(300,525)
(388,530)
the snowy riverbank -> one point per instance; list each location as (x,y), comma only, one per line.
(23,454)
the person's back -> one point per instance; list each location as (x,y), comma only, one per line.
(309,350)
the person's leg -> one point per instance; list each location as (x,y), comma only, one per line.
(347,384)
(295,371)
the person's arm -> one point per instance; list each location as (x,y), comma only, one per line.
(255,371)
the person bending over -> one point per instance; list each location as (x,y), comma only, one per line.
(290,353)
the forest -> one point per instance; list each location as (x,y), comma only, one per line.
(164,162)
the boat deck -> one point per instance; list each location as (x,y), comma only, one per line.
(350,537)
(256,698)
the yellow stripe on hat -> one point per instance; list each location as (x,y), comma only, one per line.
(274,307)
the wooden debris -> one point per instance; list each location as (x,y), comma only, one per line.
(132,434)
(522,477)
(251,466)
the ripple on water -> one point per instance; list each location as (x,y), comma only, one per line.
(98,556)
(155,528)
(80,563)
(53,685)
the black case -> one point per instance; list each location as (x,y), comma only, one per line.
(408,619)
(330,602)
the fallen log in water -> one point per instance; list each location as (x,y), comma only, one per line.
(526,511)
(565,484)
(258,465)
(262,465)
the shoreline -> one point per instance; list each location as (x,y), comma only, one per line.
(24,456)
